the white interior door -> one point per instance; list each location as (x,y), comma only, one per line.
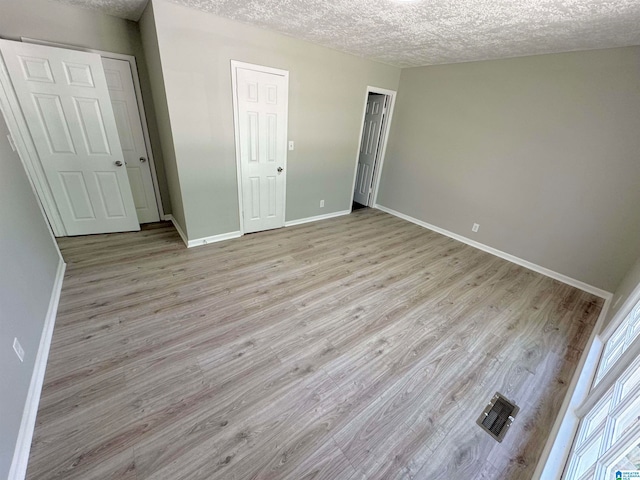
(129,123)
(261,100)
(369,147)
(64,98)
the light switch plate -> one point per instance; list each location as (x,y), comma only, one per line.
(291,145)
(11,142)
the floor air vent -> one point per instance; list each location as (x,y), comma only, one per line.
(497,417)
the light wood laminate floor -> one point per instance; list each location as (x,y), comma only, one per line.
(362,347)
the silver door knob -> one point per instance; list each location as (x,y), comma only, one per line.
(280,169)
(118,163)
(142,159)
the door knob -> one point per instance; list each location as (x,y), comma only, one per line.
(280,169)
(142,159)
(118,163)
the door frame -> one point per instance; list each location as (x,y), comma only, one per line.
(236,130)
(133,66)
(380,154)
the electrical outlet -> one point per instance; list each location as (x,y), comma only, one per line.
(291,145)
(476,227)
(321,203)
(18,349)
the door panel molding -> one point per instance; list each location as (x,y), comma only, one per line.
(27,151)
(138,91)
(265,144)
(129,123)
(391,95)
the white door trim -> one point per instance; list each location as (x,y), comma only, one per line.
(136,85)
(391,94)
(235,64)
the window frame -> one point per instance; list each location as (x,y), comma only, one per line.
(612,446)
(584,393)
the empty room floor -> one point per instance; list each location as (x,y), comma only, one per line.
(362,347)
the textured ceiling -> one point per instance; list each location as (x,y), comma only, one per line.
(428,32)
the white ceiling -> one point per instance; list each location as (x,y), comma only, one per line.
(428,32)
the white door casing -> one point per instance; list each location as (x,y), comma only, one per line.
(260,108)
(134,150)
(369,147)
(66,105)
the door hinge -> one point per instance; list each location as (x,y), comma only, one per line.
(12,143)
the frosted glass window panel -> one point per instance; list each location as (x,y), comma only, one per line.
(589,474)
(630,381)
(585,458)
(595,418)
(612,351)
(633,330)
(629,461)
(626,419)
(624,335)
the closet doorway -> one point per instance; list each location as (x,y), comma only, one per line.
(377,115)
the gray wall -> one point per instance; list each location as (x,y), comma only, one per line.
(541,151)
(57,22)
(326,98)
(149,38)
(29,259)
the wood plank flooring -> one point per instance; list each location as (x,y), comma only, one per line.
(362,347)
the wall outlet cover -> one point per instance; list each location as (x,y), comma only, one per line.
(18,349)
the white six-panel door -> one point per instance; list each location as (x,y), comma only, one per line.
(369,147)
(261,101)
(127,116)
(65,101)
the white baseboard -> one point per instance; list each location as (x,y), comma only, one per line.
(201,241)
(237,234)
(507,256)
(18,468)
(213,239)
(317,218)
